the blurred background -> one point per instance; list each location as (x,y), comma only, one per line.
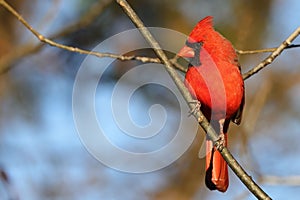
(41,155)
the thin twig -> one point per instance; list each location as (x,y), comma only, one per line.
(201,119)
(273,55)
(6,61)
(157,49)
(244,52)
(239,171)
(36,33)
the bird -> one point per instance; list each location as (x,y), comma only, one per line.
(214,80)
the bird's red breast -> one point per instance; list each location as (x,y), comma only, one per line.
(216,81)
(214,78)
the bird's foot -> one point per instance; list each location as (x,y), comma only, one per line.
(221,139)
(220,143)
(196,108)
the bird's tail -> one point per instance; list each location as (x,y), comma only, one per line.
(216,177)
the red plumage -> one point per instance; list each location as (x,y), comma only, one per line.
(214,78)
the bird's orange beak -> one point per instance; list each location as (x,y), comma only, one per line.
(186,52)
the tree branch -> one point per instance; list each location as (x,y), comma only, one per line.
(6,61)
(273,55)
(25,50)
(234,165)
(244,52)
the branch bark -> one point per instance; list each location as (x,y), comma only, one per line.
(244,52)
(244,177)
(7,61)
(273,55)
(234,165)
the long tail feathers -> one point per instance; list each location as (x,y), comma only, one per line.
(216,177)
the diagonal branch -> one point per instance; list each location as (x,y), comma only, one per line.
(246,179)
(254,188)
(234,165)
(273,55)
(7,60)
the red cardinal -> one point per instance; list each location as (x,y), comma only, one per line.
(215,80)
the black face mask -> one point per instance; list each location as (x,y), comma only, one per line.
(196,46)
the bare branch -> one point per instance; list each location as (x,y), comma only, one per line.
(6,61)
(244,52)
(25,50)
(234,165)
(273,55)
